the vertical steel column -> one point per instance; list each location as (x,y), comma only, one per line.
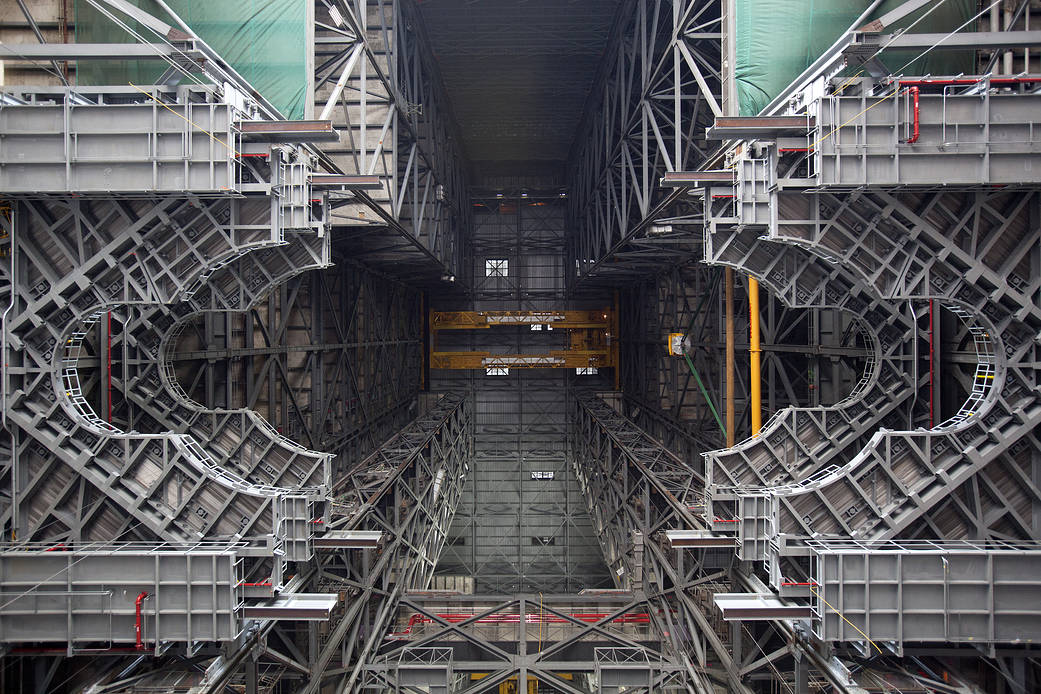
(728,278)
(754,352)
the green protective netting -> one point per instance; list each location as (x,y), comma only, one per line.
(264,40)
(778,39)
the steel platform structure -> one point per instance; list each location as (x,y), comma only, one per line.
(233,457)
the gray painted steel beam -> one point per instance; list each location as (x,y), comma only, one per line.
(969,39)
(98,51)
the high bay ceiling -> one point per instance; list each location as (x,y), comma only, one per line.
(518,74)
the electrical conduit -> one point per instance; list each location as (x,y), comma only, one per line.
(704,392)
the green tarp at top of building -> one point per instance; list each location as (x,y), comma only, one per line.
(264,40)
(778,39)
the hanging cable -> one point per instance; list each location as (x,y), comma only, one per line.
(937,44)
(896,90)
(704,392)
(141,39)
(187,120)
(540,621)
(846,620)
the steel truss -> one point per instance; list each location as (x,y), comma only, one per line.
(119,274)
(182,474)
(637,491)
(167,468)
(810,356)
(377,81)
(125,252)
(902,238)
(407,490)
(388,520)
(330,358)
(521,527)
(596,641)
(915,225)
(658,90)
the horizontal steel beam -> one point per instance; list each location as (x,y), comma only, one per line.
(740,127)
(289,130)
(961,41)
(98,51)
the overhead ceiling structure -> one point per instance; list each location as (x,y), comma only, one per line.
(518,75)
(576,347)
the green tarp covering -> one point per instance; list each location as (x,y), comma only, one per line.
(264,40)
(778,39)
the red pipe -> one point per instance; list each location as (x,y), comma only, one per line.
(930,364)
(913,87)
(64,649)
(913,91)
(140,645)
(109,367)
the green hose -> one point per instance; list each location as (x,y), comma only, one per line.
(705,393)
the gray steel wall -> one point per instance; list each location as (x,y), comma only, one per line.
(514,533)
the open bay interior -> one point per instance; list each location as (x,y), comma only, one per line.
(549,346)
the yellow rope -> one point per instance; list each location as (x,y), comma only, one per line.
(846,620)
(540,621)
(849,81)
(187,120)
(835,130)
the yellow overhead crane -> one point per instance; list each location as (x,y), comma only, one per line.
(592,339)
(477,320)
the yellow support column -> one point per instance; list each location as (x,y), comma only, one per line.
(728,279)
(754,352)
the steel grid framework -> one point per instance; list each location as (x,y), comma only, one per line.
(377,82)
(331,358)
(659,88)
(183,473)
(401,499)
(975,475)
(934,244)
(636,491)
(810,357)
(969,249)
(157,260)
(229,473)
(596,641)
(521,525)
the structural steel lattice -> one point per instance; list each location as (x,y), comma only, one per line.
(204,435)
